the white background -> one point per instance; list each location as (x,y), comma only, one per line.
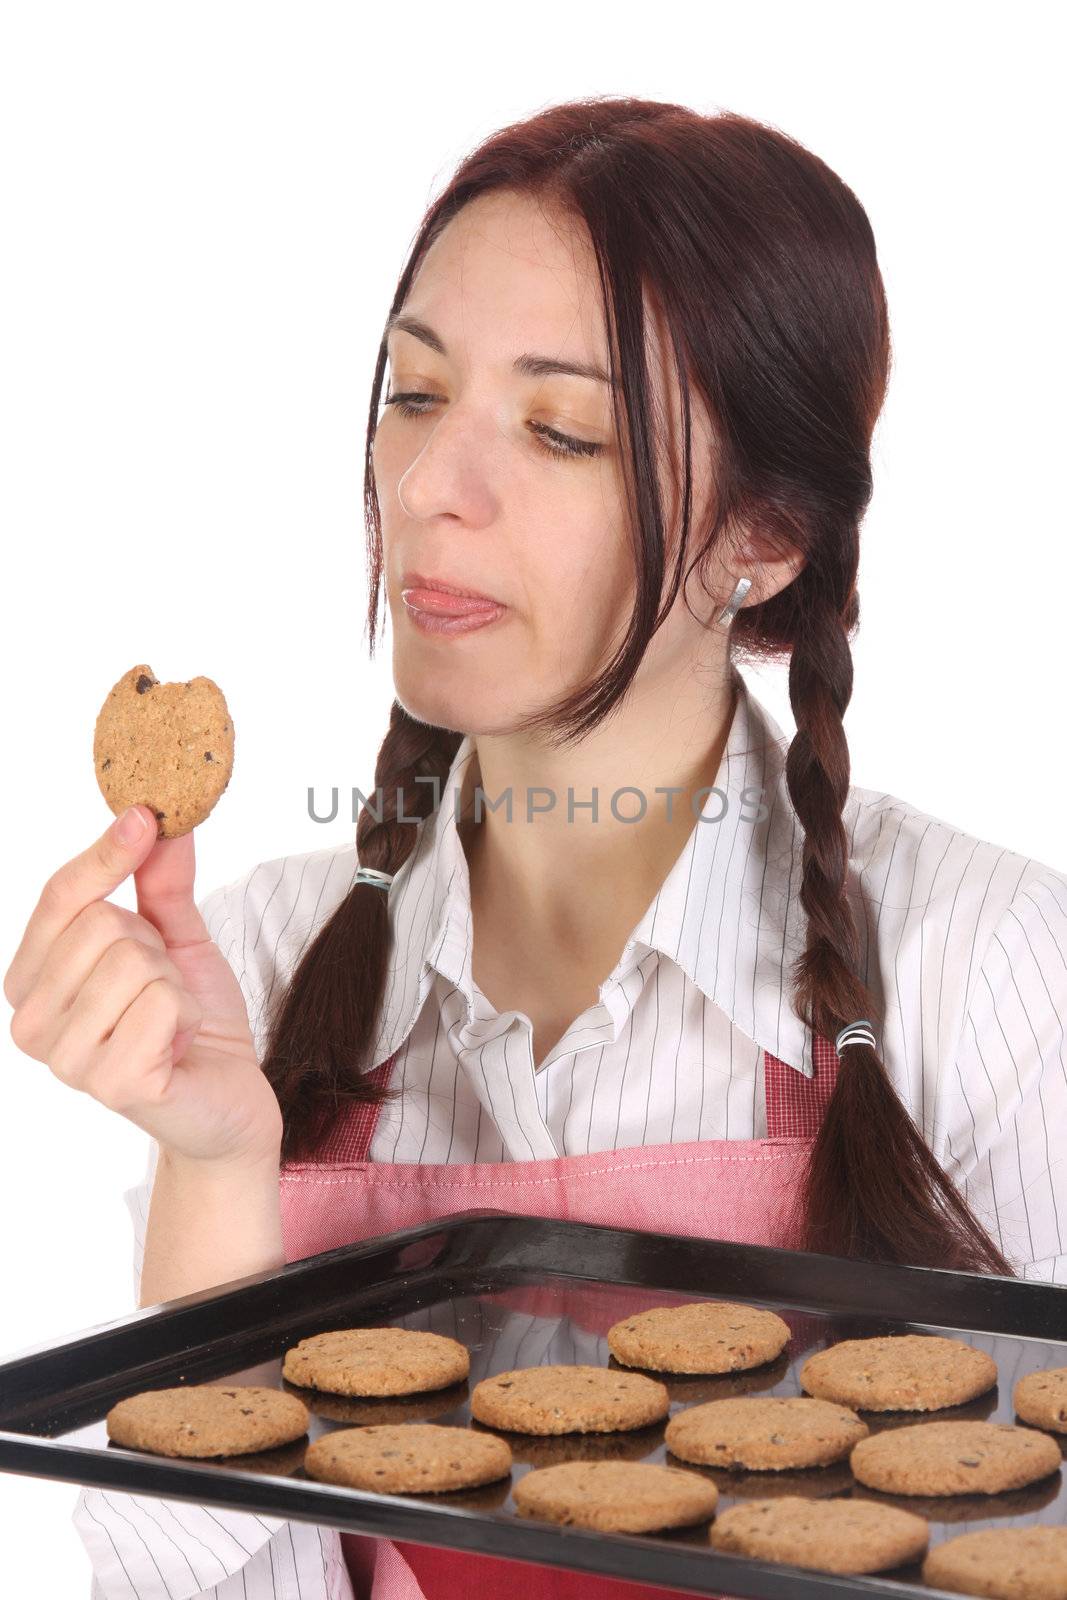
(205,210)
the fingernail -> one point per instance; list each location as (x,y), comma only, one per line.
(130,828)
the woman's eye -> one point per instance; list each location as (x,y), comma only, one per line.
(551,441)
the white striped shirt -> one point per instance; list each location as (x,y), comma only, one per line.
(963,945)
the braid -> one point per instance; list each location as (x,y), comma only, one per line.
(321,1029)
(874,1189)
(411,755)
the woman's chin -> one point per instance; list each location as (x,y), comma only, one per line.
(459,707)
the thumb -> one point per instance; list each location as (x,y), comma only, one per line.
(164,884)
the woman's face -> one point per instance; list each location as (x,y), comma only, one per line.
(475,491)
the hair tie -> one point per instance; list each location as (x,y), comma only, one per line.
(380,880)
(855,1033)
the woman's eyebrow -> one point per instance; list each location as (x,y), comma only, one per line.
(529,366)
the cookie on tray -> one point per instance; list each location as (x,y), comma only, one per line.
(1004,1563)
(568,1399)
(935,1458)
(1041,1398)
(616,1496)
(764,1433)
(827,1535)
(376,1361)
(703,1336)
(407,1458)
(167,746)
(205,1419)
(904,1372)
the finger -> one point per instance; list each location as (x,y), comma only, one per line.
(165,895)
(75,954)
(182,1040)
(144,1036)
(90,876)
(68,1040)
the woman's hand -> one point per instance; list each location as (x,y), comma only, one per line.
(140,1009)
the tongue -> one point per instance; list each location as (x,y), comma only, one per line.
(447,605)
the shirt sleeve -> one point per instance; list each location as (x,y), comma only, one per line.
(1004,1098)
(145,1548)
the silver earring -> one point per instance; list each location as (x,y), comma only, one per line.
(733,605)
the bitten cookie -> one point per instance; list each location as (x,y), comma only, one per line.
(1041,1398)
(1005,1563)
(568,1399)
(167,746)
(906,1372)
(616,1496)
(704,1336)
(204,1419)
(407,1458)
(827,1535)
(764,1433)
(380,1361)
(954,1458)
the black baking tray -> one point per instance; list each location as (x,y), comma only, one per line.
(519,1291)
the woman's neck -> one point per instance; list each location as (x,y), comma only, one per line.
(576,881)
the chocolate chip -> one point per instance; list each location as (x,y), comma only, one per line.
(159,815)
(208,756)
(246,1411)
(106,764)
(144,683)
(225,727)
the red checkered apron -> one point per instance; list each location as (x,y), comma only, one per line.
(738,1189)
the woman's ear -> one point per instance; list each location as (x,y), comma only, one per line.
(769,567)
(771,570)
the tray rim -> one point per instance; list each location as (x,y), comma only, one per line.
(402,1517)
(1036,1290)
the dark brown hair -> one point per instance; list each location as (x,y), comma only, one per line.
(764,265)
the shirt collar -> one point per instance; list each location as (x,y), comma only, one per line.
(728,912)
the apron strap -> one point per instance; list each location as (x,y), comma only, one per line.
(353,1128)
(794,1104)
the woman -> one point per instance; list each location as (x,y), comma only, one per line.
(636,359)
